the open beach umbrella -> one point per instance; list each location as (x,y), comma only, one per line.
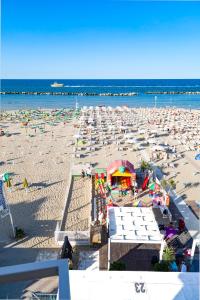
(80,143)
(152,141)
(131,141)
(5,177)
(77,136)
(197,157)
(158,148)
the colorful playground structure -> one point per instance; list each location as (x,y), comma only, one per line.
(121,174)
(99,184)
(119,179)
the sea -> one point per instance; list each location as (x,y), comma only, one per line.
(80,91)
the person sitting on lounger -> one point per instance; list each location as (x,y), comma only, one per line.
(89,173)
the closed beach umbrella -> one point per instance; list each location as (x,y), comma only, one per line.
(140,204)
(136,203)
(25,183)
(8,183)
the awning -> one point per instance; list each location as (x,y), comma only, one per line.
(100,171)
(124,174)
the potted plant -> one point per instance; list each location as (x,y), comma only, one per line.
(168,258)
(168,254)
(164,183)
(19,233)
(162,266)
(172,183)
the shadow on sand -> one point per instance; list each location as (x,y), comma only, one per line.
(13,252)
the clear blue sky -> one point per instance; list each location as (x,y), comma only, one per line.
(100,39)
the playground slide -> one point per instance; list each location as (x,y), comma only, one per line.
(145,182)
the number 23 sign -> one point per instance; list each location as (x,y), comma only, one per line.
(140,287)
(140,290)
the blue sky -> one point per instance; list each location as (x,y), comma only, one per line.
(100,39)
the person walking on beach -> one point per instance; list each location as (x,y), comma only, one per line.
(133,190)
(88,173)
(83,173)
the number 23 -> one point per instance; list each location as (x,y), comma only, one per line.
(139,287)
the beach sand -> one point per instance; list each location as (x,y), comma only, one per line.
(44,160)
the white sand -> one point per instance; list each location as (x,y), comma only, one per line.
(45,160)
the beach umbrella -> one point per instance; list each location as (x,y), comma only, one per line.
(131,141)
(152,141)
(77,136)
(8,183)
(141,131)
(197,157)
(140,204)
(6,177)
(25,183)
(158,148)
(136,203)
(80,143)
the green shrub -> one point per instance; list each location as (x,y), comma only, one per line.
(162,266)
(168,254)
(70,265)
(172,183)
(164,183)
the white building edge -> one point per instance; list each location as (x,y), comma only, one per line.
(118,285)
(131,285)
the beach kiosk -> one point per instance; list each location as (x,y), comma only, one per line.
(121,173)
(134,237)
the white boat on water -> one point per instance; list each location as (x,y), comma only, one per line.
(55,84)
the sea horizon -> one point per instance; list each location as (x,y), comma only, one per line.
(34,93)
